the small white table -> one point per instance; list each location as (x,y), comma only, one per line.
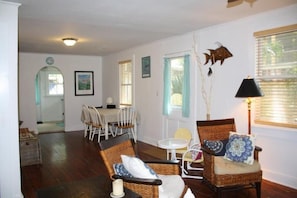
(172,144)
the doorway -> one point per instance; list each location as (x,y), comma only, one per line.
(49,100)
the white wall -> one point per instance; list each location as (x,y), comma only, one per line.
(278,163)
(31,63)
(10,180)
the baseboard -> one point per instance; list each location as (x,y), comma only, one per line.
(149,141)
(79,127)
(285,180)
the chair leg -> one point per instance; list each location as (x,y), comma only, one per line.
(111,130)
(133,134)
(86,130)
(219,192)
(99,135)
(167,154)
(258,189)
(185,173)
(91,134)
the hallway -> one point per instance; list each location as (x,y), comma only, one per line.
(49,127)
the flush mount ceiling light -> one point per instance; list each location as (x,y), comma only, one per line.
(69,41)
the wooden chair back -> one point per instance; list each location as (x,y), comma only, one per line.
(215,129)
(126,117)
(86,114)
(95,117)
(112,149)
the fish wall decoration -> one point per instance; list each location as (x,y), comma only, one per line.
(219,54)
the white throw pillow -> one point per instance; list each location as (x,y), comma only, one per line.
(172,186)
(138,168)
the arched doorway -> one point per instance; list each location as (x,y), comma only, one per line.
(49,100)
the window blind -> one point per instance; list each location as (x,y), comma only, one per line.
(126,83)
(276,73)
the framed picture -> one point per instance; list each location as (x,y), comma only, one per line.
(84,83)
(146,67)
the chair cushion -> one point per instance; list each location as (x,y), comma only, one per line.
(240,148)
(172,186)
(223,166)
(137,168)
(119,169)
(189,194)
(196,153)
(217,146)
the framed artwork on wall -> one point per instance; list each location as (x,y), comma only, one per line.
(146,66)
(84,83)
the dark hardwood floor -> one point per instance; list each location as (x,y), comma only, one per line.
(70,157)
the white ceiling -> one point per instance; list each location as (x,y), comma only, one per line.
(106,26)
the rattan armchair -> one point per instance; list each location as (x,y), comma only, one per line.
(110,151)
(219,130)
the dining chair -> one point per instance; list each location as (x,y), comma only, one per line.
(127,122)
(97,124)
(181,133)
(86,120)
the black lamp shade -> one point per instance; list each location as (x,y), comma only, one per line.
(248,88)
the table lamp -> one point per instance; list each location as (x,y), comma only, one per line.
(248,89)
(109,102)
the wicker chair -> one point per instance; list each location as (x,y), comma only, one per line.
(219,130)
(110,151)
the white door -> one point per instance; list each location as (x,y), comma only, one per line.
(50,95)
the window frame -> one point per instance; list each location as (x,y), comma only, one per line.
(173,106)
(48,84)
(128,85)
(277,79)
(184,108)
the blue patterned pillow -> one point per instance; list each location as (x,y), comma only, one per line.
(217,146)
(240,148)
(119,169)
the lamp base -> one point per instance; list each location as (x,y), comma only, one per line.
(110,106)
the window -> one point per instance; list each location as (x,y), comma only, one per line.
(126,83)
(176,84)
(176,79)
(55,84)
(276,72)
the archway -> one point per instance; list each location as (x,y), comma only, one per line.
(49,100)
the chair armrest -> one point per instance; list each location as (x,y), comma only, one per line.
(138,180)
(165,167)
(207,150)
(162,161)
(257,148)
(256,152)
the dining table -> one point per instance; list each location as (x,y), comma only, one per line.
(108,116)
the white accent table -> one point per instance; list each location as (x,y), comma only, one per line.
(172,144)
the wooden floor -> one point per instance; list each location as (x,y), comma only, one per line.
(71,157)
